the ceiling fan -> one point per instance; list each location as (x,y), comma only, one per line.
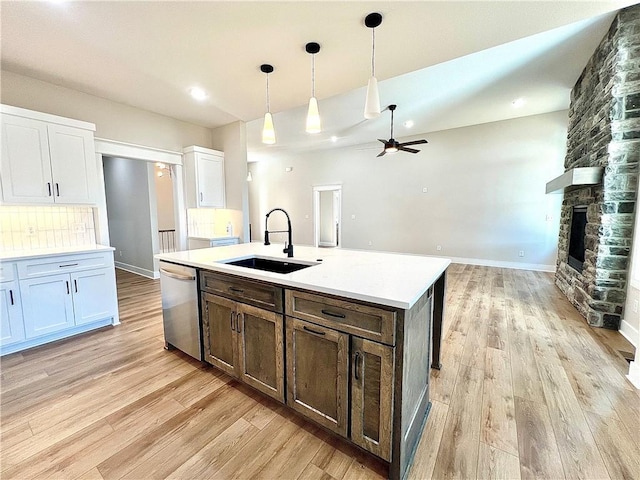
(392,145)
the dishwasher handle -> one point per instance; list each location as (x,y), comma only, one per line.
(177,276)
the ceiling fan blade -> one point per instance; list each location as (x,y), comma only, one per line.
(415,142)
(381,153)
(381,140)
(410,150)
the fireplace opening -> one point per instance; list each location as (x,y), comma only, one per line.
(576,238)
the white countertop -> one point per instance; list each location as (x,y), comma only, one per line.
(392,279)
(51,252)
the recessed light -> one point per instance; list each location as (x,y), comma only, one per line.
(334,139)
(408,123)
(518,102)
(198,93)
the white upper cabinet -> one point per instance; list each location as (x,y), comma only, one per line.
(46,159)
(204,177)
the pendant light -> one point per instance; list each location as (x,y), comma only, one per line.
(313,115)
(268,132)
(372,103)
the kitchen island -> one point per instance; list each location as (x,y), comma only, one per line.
(345,340)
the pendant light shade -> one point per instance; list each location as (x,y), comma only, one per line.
(268,132)
(313,114)
(372,102)
(313,117)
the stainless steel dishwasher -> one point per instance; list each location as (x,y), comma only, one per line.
(179,288)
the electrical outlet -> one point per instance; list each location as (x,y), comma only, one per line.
(438,247)
(424,189)
(635,306)
(79,228)
(120,252)
(29,231)
(548,218)
(353,217)
(521,253)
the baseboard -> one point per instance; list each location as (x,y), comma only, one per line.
(538,267)
(629,332)
(634,374)
(140,271)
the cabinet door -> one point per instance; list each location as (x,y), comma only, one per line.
(210,180)
(372,396)
(11,323)
(94,295)
(25,161)
(219,335)
(318,373)
(261,349)
(73,164)
(47,304)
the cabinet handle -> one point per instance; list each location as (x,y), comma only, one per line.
(11,297)
(311,330)
(68,292)
(356,363)
(49,187)
(238,290)
(332,314)
(57,190)
(68,265)
(200,196)
(239,322)
(231,319)
(75,285)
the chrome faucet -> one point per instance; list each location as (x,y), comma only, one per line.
(288,249)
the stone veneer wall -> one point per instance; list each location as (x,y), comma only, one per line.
(604,131)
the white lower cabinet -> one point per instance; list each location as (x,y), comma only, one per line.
(47,304)
(11,323)
(56,296)
(93,293)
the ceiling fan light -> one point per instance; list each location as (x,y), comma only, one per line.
(372,104)
(391,149)
(268,132)
(313,117)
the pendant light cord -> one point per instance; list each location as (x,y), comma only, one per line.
(373,52)
(268,109)
(313,75)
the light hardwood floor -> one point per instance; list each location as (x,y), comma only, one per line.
(527,390)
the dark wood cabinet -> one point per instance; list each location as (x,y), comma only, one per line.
(246,342)
(318,373)
(372,396)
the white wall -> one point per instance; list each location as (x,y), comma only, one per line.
(630,325)
(165,203)
(131,207)
(114,121)
(232,140)
(485,197)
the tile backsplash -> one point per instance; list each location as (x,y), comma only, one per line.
(29,227)
(212,222)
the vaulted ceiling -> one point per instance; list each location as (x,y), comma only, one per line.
(446,64)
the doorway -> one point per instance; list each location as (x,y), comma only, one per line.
(327,216)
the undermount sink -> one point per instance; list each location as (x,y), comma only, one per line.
(269,265)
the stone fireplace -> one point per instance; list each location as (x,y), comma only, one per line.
(604,131)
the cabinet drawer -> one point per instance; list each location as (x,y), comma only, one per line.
(7,271)
(355,318)
(254,293)
(63,264)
